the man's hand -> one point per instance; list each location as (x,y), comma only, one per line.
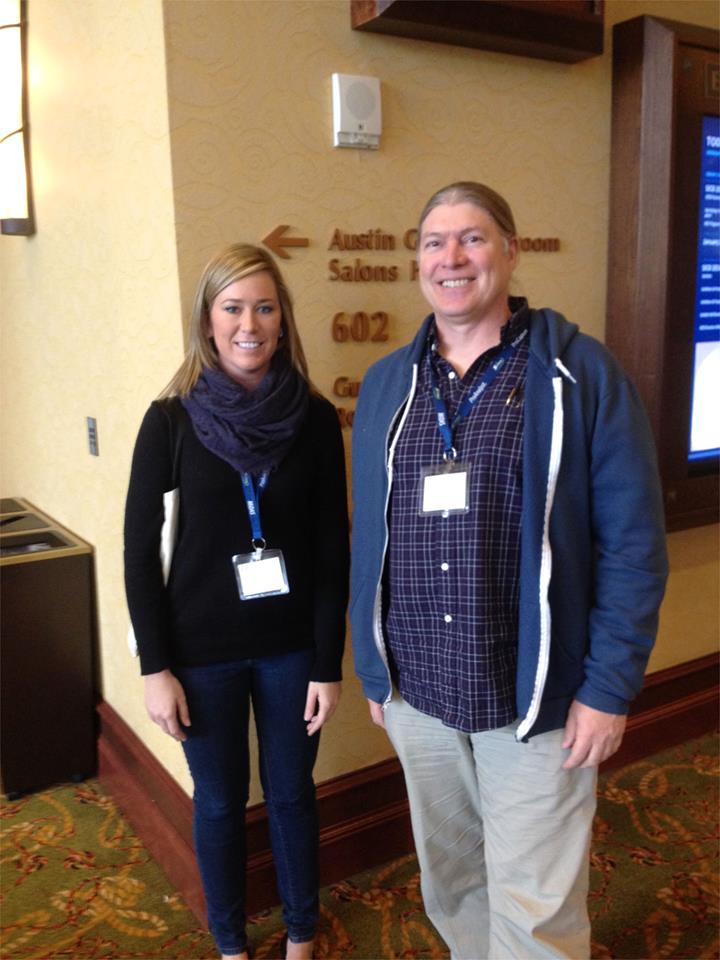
(591,735)
(376,713)
(165,702)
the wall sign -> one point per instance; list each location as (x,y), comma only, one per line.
(362,258)
(275,241)
(377,240)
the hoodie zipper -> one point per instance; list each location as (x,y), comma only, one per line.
(556,442)
(377,612)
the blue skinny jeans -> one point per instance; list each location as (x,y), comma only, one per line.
(217,752)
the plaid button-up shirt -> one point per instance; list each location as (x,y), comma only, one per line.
(452,582)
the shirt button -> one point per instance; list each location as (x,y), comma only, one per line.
(452,375)
(444,566)
(448,618)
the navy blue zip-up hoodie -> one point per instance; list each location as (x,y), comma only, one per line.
(593,561)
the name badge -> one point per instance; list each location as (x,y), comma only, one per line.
(444,489)
(261,573)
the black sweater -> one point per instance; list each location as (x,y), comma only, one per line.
(199,617)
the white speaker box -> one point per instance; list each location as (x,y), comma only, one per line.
(357,112)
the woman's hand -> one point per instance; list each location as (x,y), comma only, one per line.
(165,702)
(322,700)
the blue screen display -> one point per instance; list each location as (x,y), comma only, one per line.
(705,408)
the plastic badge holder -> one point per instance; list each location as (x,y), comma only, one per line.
(261,573)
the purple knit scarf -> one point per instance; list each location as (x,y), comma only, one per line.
(250,429)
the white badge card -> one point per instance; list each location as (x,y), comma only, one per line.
(444,489)
(261,573)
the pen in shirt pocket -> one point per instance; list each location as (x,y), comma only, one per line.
(515,397)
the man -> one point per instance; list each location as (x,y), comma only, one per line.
(508,565)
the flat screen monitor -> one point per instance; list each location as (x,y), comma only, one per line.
(704,440)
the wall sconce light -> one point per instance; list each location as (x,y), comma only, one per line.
(16,204)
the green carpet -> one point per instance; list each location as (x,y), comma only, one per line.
(75,882)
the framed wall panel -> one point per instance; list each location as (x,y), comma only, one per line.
(663,86)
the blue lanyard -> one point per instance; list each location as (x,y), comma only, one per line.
(468,402)
(252,502)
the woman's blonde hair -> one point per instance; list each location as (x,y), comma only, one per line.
(233,263)
(480,195)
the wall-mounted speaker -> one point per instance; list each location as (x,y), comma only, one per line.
(357,112)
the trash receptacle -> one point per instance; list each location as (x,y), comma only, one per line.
(47,674)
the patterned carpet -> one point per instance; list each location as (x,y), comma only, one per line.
(76,882)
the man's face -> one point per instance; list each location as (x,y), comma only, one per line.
(465,264)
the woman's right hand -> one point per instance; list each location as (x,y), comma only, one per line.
(165,702)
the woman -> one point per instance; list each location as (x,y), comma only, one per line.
(254,608)
(509,517)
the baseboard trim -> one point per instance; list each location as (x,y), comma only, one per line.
(158,809)
(364,817)
(675,705)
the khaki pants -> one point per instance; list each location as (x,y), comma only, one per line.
(502,835)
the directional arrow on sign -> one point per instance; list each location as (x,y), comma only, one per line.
(275,242)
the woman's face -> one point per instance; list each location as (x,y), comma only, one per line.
(465,264)
(245,324)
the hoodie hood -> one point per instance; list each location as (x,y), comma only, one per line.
(550,336)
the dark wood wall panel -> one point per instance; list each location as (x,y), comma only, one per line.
(563,30)
(652,241)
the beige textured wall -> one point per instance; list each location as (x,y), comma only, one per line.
(91,305)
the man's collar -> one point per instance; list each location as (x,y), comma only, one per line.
(517,321)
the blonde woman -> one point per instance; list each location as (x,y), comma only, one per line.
(254,608)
